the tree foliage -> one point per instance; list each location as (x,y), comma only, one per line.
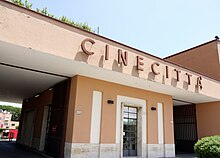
(16,112)
(44,11)
(208,147)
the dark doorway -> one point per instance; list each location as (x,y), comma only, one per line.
(129,131)
(57,121)
(185,128)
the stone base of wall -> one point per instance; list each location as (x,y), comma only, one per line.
(109,150)
(169,150)
(75,150)
(161,150)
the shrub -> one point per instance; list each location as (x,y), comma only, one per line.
(208,147)
(44,11)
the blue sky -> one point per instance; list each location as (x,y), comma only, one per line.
(159,27)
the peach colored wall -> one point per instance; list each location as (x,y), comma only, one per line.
(52,37)
(83,102)
(204,59)
(208,116)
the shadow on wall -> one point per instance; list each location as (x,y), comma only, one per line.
(151,76)
(185,85)
(135,71)
(80,56)
(174,82)
(116,67)
(101,61)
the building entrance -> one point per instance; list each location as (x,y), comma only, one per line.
(130,131)
(185,128)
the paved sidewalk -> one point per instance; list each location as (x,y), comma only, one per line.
(12,150)
(192,155)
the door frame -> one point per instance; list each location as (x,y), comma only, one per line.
(139,134)
(142,125)
(24,126)
(44,127)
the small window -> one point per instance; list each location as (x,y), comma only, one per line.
(13,124)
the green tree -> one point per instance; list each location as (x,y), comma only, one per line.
(18,2)
(27,4)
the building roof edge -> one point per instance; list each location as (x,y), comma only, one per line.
(114,41)
(184,51)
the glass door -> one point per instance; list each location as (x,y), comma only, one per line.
(129,131)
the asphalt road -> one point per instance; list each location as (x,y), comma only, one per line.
(12,150)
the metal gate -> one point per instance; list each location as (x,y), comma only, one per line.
(185,128)
(57,121)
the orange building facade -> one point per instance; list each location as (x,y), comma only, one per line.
(107,99)
(205,59)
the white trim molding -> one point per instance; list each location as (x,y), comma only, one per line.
(141,104)
(160,123)
(96,117)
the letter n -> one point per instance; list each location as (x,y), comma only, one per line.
(122,57)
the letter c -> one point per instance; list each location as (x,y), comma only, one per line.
(84,47)
(153,68)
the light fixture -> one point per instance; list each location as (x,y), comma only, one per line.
(110,101)
(153,108)
(37,95)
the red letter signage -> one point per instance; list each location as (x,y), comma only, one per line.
(84,47)
(189,82)
(153,68)
(199,82)
(106,52)
(140,63)
(167,72)
(122,58)
(177,75)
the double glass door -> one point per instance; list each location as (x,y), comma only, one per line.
(129,131)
